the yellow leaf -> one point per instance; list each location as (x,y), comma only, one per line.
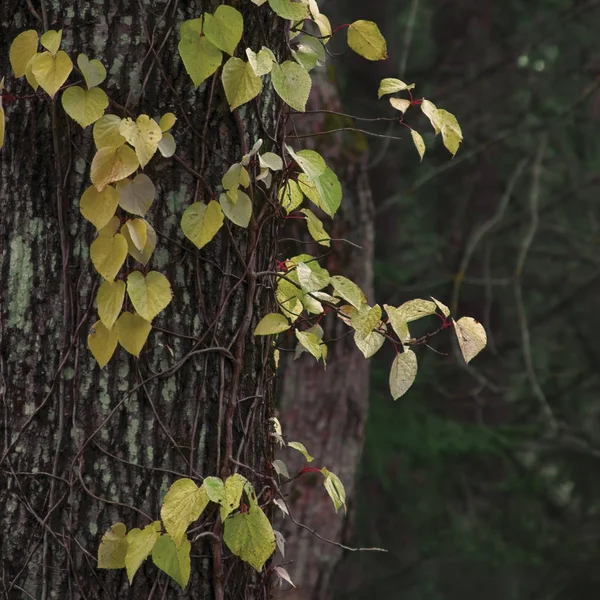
(240,82)
(102,343)
(31,80)
(261,62)
(113,548)
(400,104)
(201,222)
(271,324)
(290,196)
(141,542)
(182,505)
(106,132)
(143,256)
(99,207)
(110,228)
(302,449)
(136,196)
(167,121)
(315,228)
(110,301)
(138,231)
(292,83)
(365,39)
(335,489)
(51,71)
(85,107)
(112,164)
(51,40)
(143,135)
(22,50)
(93,71)
(389,85)
(149,295)
(108,255)
(403,373)
(429,109)
(132,331)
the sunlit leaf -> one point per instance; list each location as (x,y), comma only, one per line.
(137,230)
(398,322)
(261,61)
(292,82)
(312,277)
(368,343)
(290,195)
(233,487)
(451,131)
(416,309)
(310,342)
(441,307)
(400,104)
(430,110)
(366,319)
(348,290)
(287,9)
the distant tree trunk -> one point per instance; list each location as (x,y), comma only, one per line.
(82,448)
(327,409)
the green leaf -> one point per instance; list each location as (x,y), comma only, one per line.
(366,319)
(150,294)
(292,11)
(250,535)
(315,228)
(173,560)
(271,324)
(398,322)
(335,489)
(224,29)
(366,40)
(311,162)
(84,107)
(290,195)
(183,504)
(312,277)
(389,85)
(348,290)
(215,489)
(310,52)
(240,82)
(302,449)
(113,548)
(201,222)
(200,57)
(416,309)
(324,190)
(141,542)
(93,71)
(310,342)
(368,343)
(261,62)
(471,335)
(191,26)
(403,373)
(288,298)
(234,486)
(418,142)
(238,212)
(292,82)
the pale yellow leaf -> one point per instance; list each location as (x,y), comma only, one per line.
(403,373)
(201,222)
(145,255)
(22,50)
(389,85)
(335,489)
(368,343)
(366,40)
(133,332)
(315,228)
(149,295)
(144,135)
(138,231)
(293,83)
(240,82)
(400,104)
(261,62)
(271,324)
(106,132)
(366,319)
(102,342)
(50,71)
(429,109)
(93,71)
(108,255)
(418,142)
(141,542)
(112,164)
(398,322)
(300,447)
(290,195)
(234,485)
(51,40)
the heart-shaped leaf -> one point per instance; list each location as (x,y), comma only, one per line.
(149,295)
(110,301)
(93,71)
(50,71)
(224,29)
(133,332)
(99,207)
(108,255)
(85,107)
(102,343)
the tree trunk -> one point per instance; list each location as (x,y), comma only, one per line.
(326,409)
(83,448)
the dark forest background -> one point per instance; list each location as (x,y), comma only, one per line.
(484,481)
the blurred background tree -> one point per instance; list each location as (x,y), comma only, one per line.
(482,480)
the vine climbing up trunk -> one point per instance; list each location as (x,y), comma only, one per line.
(81,447)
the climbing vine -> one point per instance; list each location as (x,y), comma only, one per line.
(288,180)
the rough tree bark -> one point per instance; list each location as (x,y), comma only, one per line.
(327,409)
(82,448)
